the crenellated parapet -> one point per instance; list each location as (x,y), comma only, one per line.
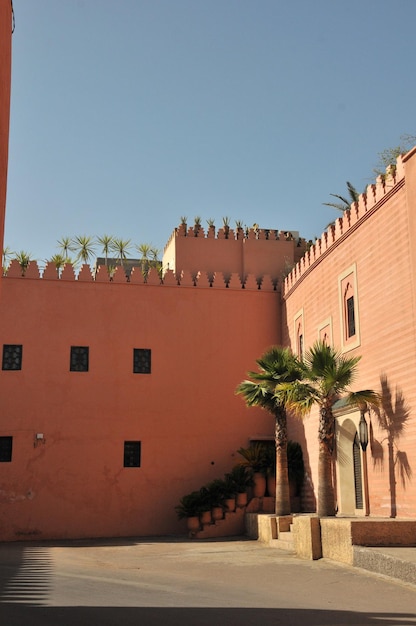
(102,274)
(371,200)
(234,234)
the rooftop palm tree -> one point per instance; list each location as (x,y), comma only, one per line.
(66,245)
(85,247)
(145,251)
(59,261)
(122,248)
(345,202)
(106,242)
(7,255)
(23,258)
(327,375)
(276,366)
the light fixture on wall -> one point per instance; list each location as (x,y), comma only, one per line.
(39,439)
(363,428)
(363,435)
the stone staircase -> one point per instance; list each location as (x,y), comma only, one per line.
(272,530)
(233,523)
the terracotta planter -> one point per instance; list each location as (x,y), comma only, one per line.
(259,488)
(230,505)
(241,499)
(193,524)
(217,513)
(205,517)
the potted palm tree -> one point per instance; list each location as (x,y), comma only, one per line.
(189,508)
(254,458)
(207,500)
(240,479)
(216,489)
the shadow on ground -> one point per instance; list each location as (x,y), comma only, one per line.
(149,616)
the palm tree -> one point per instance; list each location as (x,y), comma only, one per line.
(277,366)
(345,202)
(59,261)
(23,258)
(85,247)
(121,247)
(145,250)
(106,241)
(66,245)
(7,255)
(327,375)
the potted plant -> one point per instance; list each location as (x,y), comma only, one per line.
(206,500)
(183,225)
(197,225)
(254,457)
(189,508)
(226,226)
(223,490)
(239,228)
(240,479)
(216,489)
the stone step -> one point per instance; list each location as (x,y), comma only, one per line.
(282,544)
(286,536)
(232,524)
(397,563)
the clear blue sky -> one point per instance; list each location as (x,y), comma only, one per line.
(128,114)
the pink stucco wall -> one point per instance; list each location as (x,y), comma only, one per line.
(256,252)
(377,237)
(73,483)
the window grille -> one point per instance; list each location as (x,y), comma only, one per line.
(12,357)
(350,317)
(132,453)
(79,359)
(6,446)
(141,361)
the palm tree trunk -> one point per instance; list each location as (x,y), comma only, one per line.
(282,505)
(326,494)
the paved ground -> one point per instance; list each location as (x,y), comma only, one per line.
(152,582)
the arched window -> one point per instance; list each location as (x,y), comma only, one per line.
(349,311)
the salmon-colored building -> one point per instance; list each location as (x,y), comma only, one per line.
(118,396)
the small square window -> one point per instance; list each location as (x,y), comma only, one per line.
(132,453)
(142,361)
(12,357)
(6,445)
(79,359)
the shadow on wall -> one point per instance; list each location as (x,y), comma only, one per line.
(392,416)
(307,495)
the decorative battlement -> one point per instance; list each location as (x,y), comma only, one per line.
(235,234)
(217,280)
(369,201)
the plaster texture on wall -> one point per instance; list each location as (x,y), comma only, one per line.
(381,247)
(185,413)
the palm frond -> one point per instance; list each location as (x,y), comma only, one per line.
(299,396)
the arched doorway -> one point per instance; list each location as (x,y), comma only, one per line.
(350,484)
